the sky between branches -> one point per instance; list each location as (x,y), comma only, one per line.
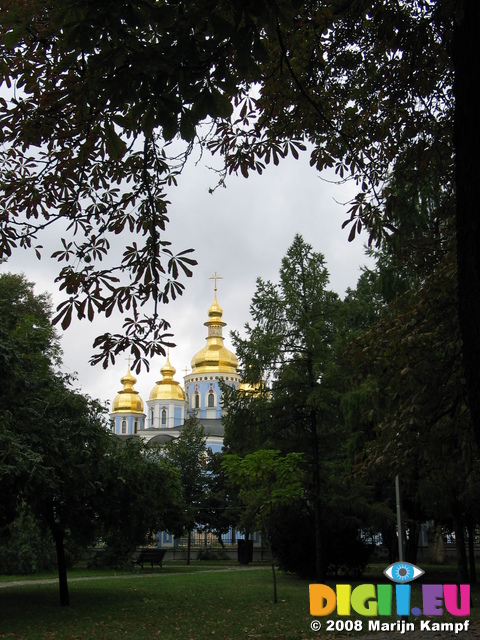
(242,232)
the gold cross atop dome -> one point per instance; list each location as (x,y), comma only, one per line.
(215,277)
(214,357)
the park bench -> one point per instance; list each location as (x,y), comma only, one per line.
(153,556)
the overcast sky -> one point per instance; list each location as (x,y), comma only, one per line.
(241,232)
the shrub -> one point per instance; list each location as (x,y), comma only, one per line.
(209,553)
(26,547)
(293,544)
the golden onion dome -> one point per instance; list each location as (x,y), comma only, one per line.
(214,357)
(128,400)
(247,387)
(253,390)
(167,388)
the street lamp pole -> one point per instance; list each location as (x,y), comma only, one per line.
(401,541)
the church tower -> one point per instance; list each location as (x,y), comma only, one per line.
(127,408)
(210,365)
(166,405)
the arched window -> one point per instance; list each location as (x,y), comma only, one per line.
(164,416)
(211,399)
(152,416)
(124,426)
(135,426)
(196,402)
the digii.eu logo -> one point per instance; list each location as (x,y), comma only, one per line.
(375,600)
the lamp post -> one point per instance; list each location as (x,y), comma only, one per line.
(401,542)
(401,539)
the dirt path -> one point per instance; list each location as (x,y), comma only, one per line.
(126,576)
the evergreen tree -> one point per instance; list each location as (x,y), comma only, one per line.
(290,346)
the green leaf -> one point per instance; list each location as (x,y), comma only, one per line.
(187,128)
(13,38)
(221,105)
(116,147)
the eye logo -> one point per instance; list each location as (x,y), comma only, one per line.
(403,572)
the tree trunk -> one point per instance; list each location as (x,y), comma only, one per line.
(189,545)
(460,549)
(62,568)
(466,57)
(275,599)
(411,547)
(320,563)
(274,573)
(59,537)
(471,552)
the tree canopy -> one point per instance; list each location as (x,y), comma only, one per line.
(59,459)
(96,93)
(266,480)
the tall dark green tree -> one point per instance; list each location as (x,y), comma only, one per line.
(28,351)
(408,364)
(289,346)
(48,432)
(413,417)
(65,488)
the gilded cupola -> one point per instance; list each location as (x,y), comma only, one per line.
(167,388)
(128,400)
(214,357)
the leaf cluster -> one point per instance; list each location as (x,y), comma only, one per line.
(412,415)
(368,85)
(96,94)
(266,480)
(98,91)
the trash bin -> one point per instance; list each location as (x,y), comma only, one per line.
(245,551)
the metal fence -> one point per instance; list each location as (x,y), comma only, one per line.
(205,539)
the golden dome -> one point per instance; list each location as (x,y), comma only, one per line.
(252,389)
(128,400)
(167,388)
(247,387)
(214,357)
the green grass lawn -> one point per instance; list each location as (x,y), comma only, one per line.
(185,603)
(236,604)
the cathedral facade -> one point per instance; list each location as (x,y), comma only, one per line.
(170,404)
